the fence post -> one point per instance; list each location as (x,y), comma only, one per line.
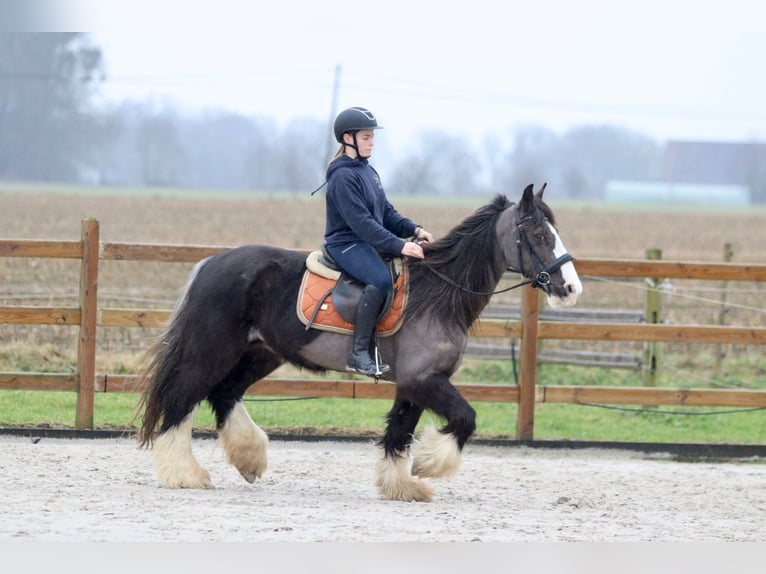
(720,348)
(525,422)
(86,348)
(652,315)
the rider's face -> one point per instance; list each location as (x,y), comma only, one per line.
(364,141)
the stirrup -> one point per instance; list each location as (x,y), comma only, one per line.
(380,366)
(369,367)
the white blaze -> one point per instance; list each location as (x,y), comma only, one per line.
(572,281)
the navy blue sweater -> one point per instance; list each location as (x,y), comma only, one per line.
(358,210)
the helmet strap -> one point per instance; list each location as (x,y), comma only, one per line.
(354,146)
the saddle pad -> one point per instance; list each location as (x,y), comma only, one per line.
(315,290)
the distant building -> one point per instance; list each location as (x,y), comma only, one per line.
(714,173)
(618,191)
(718,163)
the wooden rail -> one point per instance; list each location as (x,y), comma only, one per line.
(89,317)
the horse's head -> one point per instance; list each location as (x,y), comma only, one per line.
(532,246)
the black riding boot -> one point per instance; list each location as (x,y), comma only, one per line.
(367,311)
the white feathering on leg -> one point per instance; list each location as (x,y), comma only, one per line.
(245,443)
(435,454)
(173,459)
(395,482)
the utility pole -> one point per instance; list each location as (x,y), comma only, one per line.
(333,113)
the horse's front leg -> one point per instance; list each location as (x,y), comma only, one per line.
(244,442)
(392,474)
(438,453)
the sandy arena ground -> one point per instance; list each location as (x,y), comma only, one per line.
(106,490)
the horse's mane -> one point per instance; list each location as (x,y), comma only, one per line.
(467,255)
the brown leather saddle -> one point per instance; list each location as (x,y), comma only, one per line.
(329,297)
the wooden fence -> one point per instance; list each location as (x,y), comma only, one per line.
(90,317)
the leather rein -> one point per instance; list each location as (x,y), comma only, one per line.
(541,280)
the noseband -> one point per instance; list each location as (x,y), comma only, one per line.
(542,279)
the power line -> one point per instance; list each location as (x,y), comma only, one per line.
(396,87)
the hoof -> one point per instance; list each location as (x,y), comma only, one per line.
(251,461)
(245,443)
(395,482)
(251,465)
(250,476)
(179,471)
(173,459)
(200,479)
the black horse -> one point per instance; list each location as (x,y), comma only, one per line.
(235,322)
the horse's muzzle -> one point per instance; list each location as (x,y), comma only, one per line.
(568,292)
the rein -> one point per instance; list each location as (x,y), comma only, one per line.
(449,281)
(541,280)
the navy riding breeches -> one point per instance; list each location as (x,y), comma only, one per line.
(363,263)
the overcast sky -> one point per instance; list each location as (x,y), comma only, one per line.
(672,69)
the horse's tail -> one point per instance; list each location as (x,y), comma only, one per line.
(163,357)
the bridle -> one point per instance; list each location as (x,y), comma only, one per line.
(542,279)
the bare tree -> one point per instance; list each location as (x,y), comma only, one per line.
(444,164)
(530,160)
(301,154)
(46,81)
(216,146)
(160,150)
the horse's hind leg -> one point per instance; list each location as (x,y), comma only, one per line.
(438,453)
(173,459)
(392,473)
(244,442)
(178,388)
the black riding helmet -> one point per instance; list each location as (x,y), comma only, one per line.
(351,120)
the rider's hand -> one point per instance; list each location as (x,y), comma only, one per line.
(423,235)
(413,250)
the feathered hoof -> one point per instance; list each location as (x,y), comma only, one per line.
(435,454)
(201,481)
(181,473)
(245,443)
(250,458)
(252,470)
(395,482)
(174,462)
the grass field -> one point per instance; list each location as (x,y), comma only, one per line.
(589,230)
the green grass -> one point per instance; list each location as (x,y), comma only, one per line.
(739,373)
(625,423)
(366,417)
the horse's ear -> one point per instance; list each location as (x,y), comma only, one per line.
(527,199)
(539,194)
